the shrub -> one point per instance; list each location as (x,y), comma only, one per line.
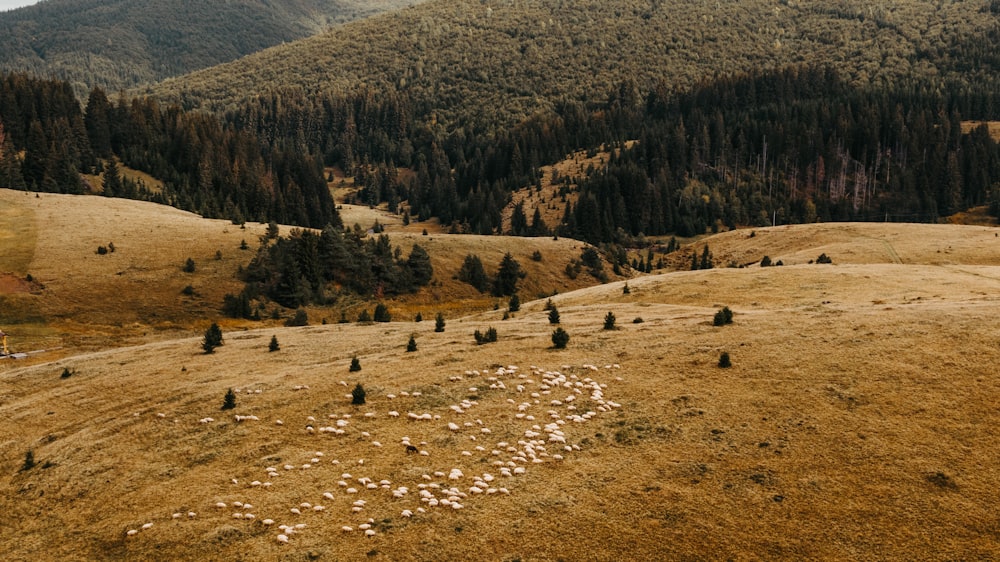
(300,319)
(229,402)
(489,337)
(609,321)
(549,305)
(101,250)
(364,317)
(67,373)
(188,291)
(439,322)
(724,361)
(244,245)
(723,317)
(536,256)
(418,318)
(554,315)
(514,304)
(638,320)
(189,266)
(382,313)
(626,290)
(343,318)
(213,338)
(29,460)
(765,261)
(358,395)
(274,345)
(823,258)
(560,338)
(412,345)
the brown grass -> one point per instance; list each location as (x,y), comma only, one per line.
(994,127)
(857,421)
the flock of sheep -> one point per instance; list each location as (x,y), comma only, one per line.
(546,405)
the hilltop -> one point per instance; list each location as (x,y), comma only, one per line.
(497,63)
(117,44)
(855,422)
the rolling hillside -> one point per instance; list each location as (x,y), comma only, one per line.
(117,45)
(499,62)
(856,421)
(81,299)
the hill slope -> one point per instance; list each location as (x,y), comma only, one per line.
(503,61)
(117,44)
(855,423)
(79,299)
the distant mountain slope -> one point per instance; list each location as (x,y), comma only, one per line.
(118,44)
(504,60)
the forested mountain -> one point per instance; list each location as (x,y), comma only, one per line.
(119,44)
(492,63)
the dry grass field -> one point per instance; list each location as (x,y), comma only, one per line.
(857,420)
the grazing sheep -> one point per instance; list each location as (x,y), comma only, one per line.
(283,538)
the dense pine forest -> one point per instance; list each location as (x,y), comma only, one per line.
(49,143)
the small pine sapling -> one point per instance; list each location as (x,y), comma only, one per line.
(358,395)
(439,323)
(229,402)
(273,346)
(411,346)
(609,321)
(514,304)
(554,315)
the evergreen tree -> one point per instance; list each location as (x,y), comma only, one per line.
(420,267)
(213,338)
(419,317)
(411,346)
(560,338)
(301,318)
(706,259)
(189,266)
(355,365)
(554,315)
(609,321)
(229,402)
(358,395)
(112,180)
(514,304)
(507,276)
(382,313)
(694,261)
(364,317)
(29,461)
(472,272)
(273,346)
(439,322)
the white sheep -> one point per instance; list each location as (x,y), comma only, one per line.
(283,538)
